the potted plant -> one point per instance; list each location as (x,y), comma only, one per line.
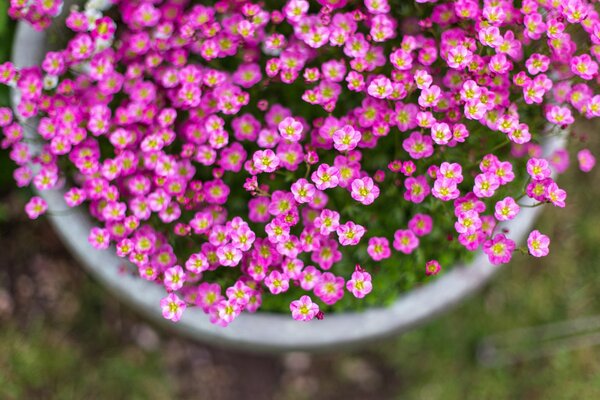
(308,174)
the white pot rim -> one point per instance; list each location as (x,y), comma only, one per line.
(266,331)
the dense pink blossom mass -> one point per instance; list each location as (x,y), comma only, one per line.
(234,151)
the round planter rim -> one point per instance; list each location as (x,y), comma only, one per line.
(264,331)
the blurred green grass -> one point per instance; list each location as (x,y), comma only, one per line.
(87,355)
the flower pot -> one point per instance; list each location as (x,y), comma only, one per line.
(265,331)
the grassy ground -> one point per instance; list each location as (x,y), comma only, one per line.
(62,337)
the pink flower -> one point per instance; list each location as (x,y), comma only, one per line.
(418,146)
(303,191)
(197,263)
(325,177)
(430,96)
(584,66)
(304,309)
(99,238)
(229,255)
(499,249)
(360,284)
(349,234)
(174,278)
(459,57)
(364,190)
(468,222)
(586,159)
(445,189)
(277,282)
(35,207)
(432,267)
(265,160)
(420,224)
(405,241)
(506,209)
(379,248)
(538,244)
(346,138)
(556,195)
(290,129)
(225,312)
(328,221)
(172,307)
(330,288)
(485,185)
(538,168)
(380,87)
(416,189)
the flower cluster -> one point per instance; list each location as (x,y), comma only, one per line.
(235,153)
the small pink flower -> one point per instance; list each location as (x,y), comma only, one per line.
(35,207)
(486,185)
(405,241)
(380,87)
(432,267)
(326,177)
(556,195)
(303,191)
(99,238)
(360,283)
(304,309)
(197,263)
(586,159)
(225,312)
(277,282)
(265,160)
(459,57)
(499,249)
(538,168)
(379,248)
(349,234)
(421,224)
(506,209)
(174,278)
(229,255)
(290,129)
(538,244)
(364,190)
(172,307)
(346,138)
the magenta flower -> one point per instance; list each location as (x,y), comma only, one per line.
(303,191)
(380,87)
(304,309)
(586,159)
(506,209)
(538,244)
(364,190)
(35,207)
(360,284)
(432,267)
(346,138)
(379,248)
(499,249)
(349,234)
(174,278)
(405,241)
(99,238)
(172,307)
(290,129)
(277,282)
(265,160)
(325,177)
